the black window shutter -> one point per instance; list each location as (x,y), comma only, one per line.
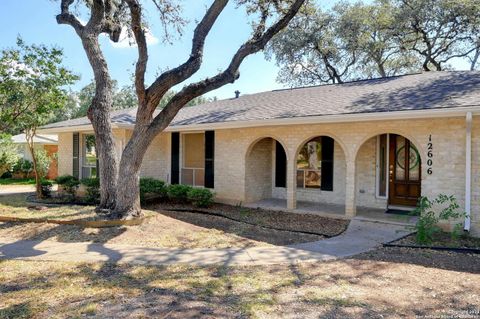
(97,167)
(209,159)
(280,166)
(327,163)
(175,170)
(75,155)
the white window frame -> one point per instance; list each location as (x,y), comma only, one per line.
(387,168)
(82,154)
(182,158)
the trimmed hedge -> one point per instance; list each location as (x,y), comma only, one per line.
(69,183)
(200,197)
(46,188)
(152,186)
(178,193)
(182,194)
(92,188)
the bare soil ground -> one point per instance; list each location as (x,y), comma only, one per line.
(168,230)
(444,240)
(386,283)
(268,218)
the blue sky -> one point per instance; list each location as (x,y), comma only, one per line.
(35,21)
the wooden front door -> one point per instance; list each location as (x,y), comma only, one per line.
(405,172)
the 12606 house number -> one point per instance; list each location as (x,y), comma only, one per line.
(429,155)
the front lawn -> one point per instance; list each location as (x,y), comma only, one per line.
(160,229)
(20,181)
(387,283)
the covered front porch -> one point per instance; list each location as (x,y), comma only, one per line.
(334,211)
(381,181)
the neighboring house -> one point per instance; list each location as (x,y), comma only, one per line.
(372,144)
(48,142)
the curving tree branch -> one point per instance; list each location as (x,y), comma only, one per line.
(229,75)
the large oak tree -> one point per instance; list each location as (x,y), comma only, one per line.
(119,177)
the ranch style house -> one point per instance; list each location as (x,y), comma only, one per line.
(364,147)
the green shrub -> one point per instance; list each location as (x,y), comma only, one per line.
(92,188)
(61,180)
(178,192)
(8,153)
(152,186)
(23,166)
(69,183)
(427,223)
(200,197)
(43,162)
(46,188)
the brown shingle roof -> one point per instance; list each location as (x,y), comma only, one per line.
(423,91)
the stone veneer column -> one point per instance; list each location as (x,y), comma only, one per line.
(291,182)
(350,180)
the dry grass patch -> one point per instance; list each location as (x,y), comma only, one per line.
(167,230)
(368,286)
(156,231)
(14,205)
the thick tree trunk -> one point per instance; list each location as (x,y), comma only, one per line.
(99,115)
(29,136)
(127,205)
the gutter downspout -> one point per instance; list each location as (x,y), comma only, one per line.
(468,169)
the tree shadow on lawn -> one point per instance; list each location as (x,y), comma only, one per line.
(455,261)
(14,200)
(253,232)
(337,289)
(26,247)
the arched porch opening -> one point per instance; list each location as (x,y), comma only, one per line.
(265,173)
(388,175)
(320,175)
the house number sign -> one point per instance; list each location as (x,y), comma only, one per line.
(429,155)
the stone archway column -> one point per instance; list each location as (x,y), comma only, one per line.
(350,180)
(291,182)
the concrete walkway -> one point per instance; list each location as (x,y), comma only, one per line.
(16,189)
(360,236)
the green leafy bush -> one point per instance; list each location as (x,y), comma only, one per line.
(8,153)
(200,197)
(92,188)
(427,224)
(43,162)
(178,192)
(22,166)
(46,188)
(152,186)
(69,183)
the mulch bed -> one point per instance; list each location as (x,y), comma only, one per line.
(56,200)
(425,257)
(279,220)
(442,240)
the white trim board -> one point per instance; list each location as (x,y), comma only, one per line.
(338,118)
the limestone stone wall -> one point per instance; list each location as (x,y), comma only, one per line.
(156,162)
(258,175)
(366,176)
(475,216)
(358,144)
(355,142)
(65,154)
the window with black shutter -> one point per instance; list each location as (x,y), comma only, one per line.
(209,159)
(175,158)
(280,166)
(75,155)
